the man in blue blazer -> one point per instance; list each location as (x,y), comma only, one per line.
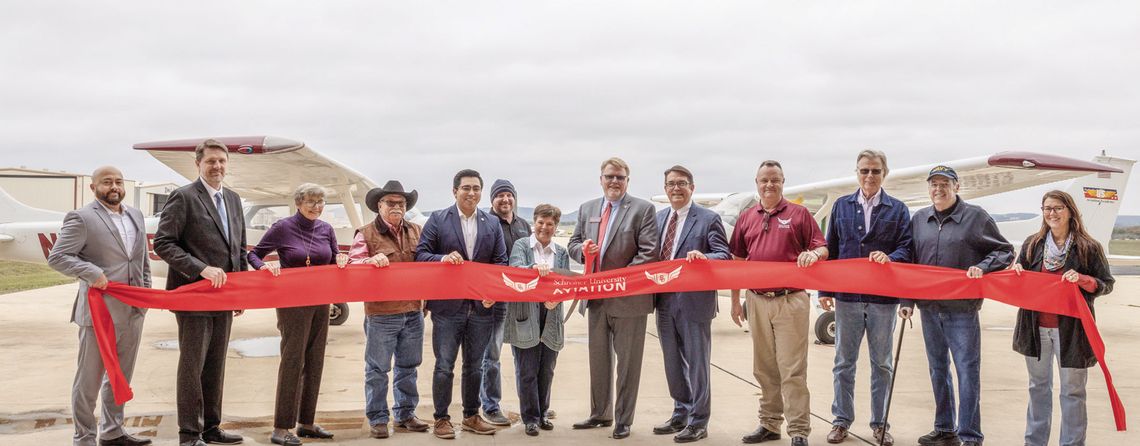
(453,235)
(684,320)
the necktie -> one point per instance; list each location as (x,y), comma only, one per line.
(221,204)
(670,234)
(602,227)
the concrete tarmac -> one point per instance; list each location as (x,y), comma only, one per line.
(39,350)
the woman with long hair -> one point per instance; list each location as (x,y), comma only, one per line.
(1062,247)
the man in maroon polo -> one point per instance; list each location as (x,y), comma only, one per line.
(778,231)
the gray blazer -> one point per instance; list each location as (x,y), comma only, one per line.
(89,245)
(521,329)
(630,240)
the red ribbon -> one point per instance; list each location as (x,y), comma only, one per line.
(431,281)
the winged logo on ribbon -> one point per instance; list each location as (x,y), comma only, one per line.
(520,286)
(664,278)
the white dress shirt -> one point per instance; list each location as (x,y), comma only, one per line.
(868,206)
(682,214)
(470,225)
(126,227)
(543,255)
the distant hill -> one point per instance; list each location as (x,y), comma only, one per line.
(1016,216)
(1124,221)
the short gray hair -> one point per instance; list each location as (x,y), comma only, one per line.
(308,190)
(870,153)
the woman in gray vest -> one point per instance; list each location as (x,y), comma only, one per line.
(534,330)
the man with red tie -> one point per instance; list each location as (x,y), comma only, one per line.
(620,231)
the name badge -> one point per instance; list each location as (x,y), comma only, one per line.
(594,220)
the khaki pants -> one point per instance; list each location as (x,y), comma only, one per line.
(779,327)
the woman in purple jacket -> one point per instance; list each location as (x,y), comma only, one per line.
(300,241)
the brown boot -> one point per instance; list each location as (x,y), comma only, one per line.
(444,429)
(412,424)
(880,433)
(476,424)
(837,435)
(378,430)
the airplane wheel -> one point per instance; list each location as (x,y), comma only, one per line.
(338,314)
(825,328)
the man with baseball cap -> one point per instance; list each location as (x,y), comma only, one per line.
(954,234)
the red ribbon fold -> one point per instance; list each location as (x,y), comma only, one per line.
(431,281)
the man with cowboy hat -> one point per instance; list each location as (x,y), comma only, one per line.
(393,328)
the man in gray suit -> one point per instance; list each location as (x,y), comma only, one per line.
(621,231)
(101,242)
(201,235)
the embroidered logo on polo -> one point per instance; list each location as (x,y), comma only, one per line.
(520,286)
(784,224)
(664,278)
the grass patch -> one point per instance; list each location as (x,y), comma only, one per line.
(1124,247)
(20,276)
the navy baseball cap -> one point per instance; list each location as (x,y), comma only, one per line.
(945,171)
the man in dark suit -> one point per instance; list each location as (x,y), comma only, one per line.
(454,235)
(684,320)
(103,241)
(201,235)
(621,231)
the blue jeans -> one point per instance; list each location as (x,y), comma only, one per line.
(450,332)
(960,335)
(853,320)
(491,390)
(1074,416)
(387,336)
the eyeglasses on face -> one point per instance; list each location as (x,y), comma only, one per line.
(394,204)
(875,172)
(313,203)
(676,184)
(617,178)
(1053,209)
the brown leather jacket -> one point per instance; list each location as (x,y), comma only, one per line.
(380,239)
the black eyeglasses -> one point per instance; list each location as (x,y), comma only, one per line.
(618,178)
(875,172)
(680,184)
(1053,209)
(395,204)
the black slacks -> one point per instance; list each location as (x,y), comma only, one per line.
(304,334)
(202,345)
(534,375)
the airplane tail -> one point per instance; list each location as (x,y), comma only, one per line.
(13,211)
(1098,197)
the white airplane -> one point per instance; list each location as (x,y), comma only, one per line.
(264,170)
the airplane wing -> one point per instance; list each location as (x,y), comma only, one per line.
(267,169)
(977,177)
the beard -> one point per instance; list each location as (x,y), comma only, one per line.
(106,198)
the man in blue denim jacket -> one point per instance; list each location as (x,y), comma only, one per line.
(873,225)
(954,234)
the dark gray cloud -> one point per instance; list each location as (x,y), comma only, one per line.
(542,92)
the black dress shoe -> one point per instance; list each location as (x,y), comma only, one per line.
(799,441)
(691,434)
(672,426)
(285,440)
(194,442)
(315,432)
(532,429)
(620,431)
(760,435)
(219,436)
(591,423)
(939,438)
(546,425)
(125,440)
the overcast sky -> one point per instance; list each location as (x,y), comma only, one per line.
(541,92)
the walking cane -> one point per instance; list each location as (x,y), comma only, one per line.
(894,374)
